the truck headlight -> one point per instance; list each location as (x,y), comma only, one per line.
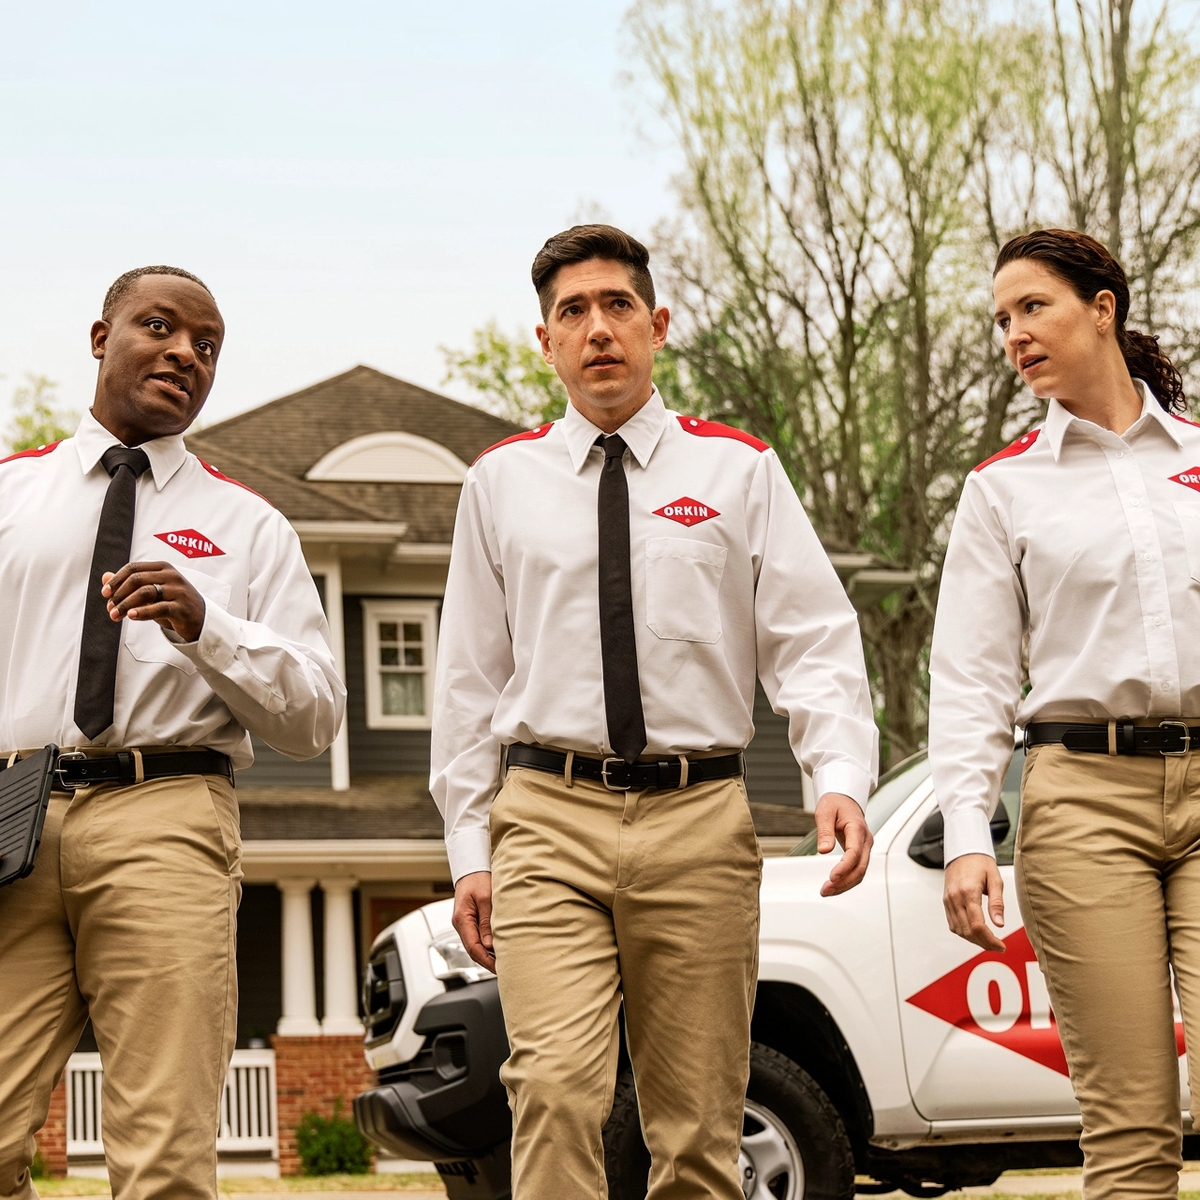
(449,959)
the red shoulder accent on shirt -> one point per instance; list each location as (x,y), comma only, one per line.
(1018,447)
(702,428)
(1185,420)
(225,479)
(30,453)
(530,435)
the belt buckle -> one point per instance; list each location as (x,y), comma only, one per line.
(1187,738)
(68,756)
(612,787)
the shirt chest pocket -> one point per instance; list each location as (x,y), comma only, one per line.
(1189,519)
(146,641)
(683,585)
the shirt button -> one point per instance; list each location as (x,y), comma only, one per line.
(1159,621)
(1148,557)
(1166,687)
(1120,453)
(1134,502)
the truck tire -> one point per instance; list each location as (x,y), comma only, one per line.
(794,1145)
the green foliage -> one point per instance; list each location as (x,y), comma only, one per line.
(510,375)
(37,1169)
(332,1145)
(38,420)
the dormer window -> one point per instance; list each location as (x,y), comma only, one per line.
(389,458)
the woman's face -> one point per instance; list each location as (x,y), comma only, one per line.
(1052,337)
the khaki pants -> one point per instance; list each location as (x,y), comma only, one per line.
(129,915)
(1108,878)
(650,897)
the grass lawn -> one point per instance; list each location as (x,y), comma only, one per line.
(300,1184)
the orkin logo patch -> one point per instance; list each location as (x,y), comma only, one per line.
(1003,997)
(687,511)
(190,543)
(1189,478)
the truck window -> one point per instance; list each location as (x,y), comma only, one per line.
(1010,797)
(893,789)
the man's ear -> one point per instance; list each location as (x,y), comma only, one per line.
(660,322)
(543,336)
(100,332)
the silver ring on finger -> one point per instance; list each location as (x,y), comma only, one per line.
(158,591)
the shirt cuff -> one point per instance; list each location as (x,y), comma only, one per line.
(967,831)
(469,851)
(844,778)
(216,647)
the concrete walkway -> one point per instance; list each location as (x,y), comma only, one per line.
(1047,1185)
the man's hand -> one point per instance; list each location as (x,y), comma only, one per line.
(968,878)
(131,592)
(473,917)
(841,820)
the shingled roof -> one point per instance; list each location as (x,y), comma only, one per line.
(271,448)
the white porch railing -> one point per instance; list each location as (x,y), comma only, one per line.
(247,1105)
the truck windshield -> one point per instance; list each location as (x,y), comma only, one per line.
(894,788)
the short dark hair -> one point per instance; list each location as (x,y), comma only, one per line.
(583,242)
(1086,265)
(124,282)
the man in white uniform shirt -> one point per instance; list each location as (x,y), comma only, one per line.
(200,625)
(618,578)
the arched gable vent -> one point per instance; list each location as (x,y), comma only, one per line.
(390,458)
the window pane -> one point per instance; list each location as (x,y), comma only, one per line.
(389,631)
(389,656)
(403,695)
(412,633)
(414,656)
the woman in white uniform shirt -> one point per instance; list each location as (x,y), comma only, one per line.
(1084,537)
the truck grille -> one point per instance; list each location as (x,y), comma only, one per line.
(383,994)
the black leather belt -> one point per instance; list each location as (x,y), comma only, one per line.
(618,776)
(76,770)
(1123,737)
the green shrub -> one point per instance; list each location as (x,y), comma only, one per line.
(38,1169)
(332,1145)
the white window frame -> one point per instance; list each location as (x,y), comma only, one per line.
(374,611)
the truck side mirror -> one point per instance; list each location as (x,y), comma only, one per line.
(927,847)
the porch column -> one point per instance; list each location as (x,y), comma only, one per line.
(341,975)
(299,978)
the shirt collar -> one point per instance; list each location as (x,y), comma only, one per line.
(166,454)
(641,432)
(1059,420)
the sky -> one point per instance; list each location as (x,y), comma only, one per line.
(357,184)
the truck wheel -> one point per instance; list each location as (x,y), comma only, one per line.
(794,1145)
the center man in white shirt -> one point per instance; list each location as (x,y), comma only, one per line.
(618,579)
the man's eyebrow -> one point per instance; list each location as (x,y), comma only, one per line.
(606,294)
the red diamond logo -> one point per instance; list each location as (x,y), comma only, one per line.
(687,511)
(1003,998)
(1189,478)
(190,543)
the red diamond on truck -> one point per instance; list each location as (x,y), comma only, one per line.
(687,511)
(190,543)
(1189,478)
(1003,998)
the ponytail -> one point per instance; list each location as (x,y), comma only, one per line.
(1148,363)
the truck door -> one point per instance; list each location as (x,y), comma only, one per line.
(980,1039)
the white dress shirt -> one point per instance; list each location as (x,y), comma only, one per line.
(1089,542)
(729,579)
(262,662)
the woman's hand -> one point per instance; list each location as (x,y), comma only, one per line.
(968,879)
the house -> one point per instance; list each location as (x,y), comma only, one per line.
(367,468)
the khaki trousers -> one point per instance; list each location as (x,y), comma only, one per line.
(129,915)
(650,897)
(1108,878)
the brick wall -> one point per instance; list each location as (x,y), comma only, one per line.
(311,1073)
(52,1137)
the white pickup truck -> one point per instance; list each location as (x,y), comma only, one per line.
(887,1053)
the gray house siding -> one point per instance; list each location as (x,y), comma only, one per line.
(772,776)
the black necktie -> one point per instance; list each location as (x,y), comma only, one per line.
(100,641)
(618,648)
